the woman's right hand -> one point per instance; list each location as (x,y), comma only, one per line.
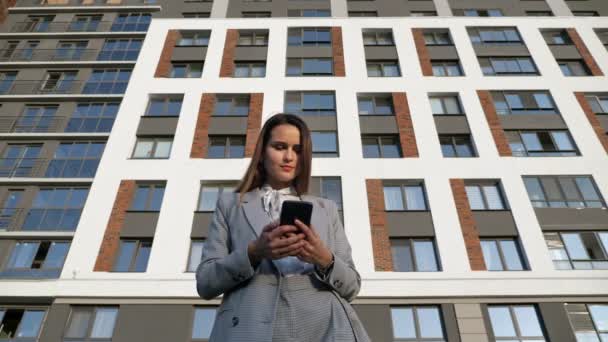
(275,242)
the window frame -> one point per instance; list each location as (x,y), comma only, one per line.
(555,241)
(251,65)
(190,69)
(375,34)
(308,110)
(486,207)
(155,142)
(151,188)
(92,310)
(253,36)
(501,253)
(402,189)
(166,100)
(547,200)
(379,138)
(525,152)
(445,65)
(291,62)
(227,144)
(515,322)
(140,243)
(234,99)
(410,242)
(417,325)
(374,98)
(383,64)
(454,145)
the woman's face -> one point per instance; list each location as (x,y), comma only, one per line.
(281,155)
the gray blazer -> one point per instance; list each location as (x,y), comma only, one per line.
(250,295)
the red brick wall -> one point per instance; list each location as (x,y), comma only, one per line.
(227,67)
(500,139)
(337,51)
(582,49)
(595,123)
(423,52)
(383,260)
(111,238)
(164,63)
(4,5)
(404,123)
(254,122)
(467,225)
(200,143)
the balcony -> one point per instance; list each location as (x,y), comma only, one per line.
(22,167)
(31,124)
(47,55)
(77,26)
(42,87)
(58,3)
(39,219)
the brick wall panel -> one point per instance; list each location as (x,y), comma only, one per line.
(227,67)
(383,260)
(200,142)
(407,137)
(595,123)
(467,225)
(584,52)
(423,52)
(337,51)
(164,63)
(254,122)
(500,139)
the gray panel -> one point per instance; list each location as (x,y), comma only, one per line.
(489,50)
(308,4)
(314,186)
(376,319)
(572,218)
(494,223)
(189,53)
(378,124)
(538,121)
(153,323)
(200,224)
(157,126)
(5,248)
(600,6)
(380,52)
(451,324)
(556,322)
(228,125)
(452,124)
(565,52)
(508,7)
(410,224)
(250,53)
(320,123)
(55,323)
(603,119)
(309,51)
(442,52)
(139,224)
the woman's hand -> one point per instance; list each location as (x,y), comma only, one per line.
(314,250)
(275,242)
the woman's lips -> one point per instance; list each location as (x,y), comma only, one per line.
(286,168)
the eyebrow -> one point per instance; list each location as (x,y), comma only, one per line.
(282,142)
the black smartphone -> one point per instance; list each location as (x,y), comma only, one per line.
(291,210)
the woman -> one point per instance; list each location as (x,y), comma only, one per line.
(279,283)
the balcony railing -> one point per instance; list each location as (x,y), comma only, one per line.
(39,219)
(75,26)
(47,55)
(21,167)
(52,3)
(38,87)
(31,124)
(11,218)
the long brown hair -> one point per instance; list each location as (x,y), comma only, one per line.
(256,173)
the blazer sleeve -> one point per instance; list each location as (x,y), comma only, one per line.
(342,277)
(221,268)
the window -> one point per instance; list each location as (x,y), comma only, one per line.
(331,188)
(56,209)
(383,68)
(132,256)
(362,13)
(209,194)
(423,13)
(10,213)
(541,143)
(482,13)
(6,81)
(437,38)
(223,146)
(107,81)
(589,321)
(196,14)
(378,37)
(539,14)
(322,103)
(494,35)
(148,197)
(120,50)
(152,147)
(93,117)
(515,322)
(85,23)
(445,105)
(413,255)
(446,68)
(526,103)
(585,13)
(563,192)
(485,197)
(404,197)
(203,322)
(249,69)
(194,38)
(36,259)
(21,324)
(253,38)
(186,69)
(375,104)
(256,14)
(36,118)
(324,144)
(37,23)
(69,51)
(584,250)
(457,145)
(598,103)
(573,67)
(131,22)
(502,255)
(381,146)
(559,37)
(7,52)
(231,105)
(308,13)
(512,66)
(59,82)
(309,67)
(75,159)
(91,323)
(196,254)
(164,105)
(20,160)
(309,36)
(417,323)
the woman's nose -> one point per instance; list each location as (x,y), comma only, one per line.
(289,154)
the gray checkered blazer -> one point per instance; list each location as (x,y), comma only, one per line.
(250,295)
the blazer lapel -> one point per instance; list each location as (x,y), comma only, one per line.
(252,205)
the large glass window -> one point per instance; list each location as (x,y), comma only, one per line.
(21,324)
(120,50)
(36,259)
(445,104)
(459,145)
(378,37)
(231,105)
(598,103)
(324,144)
(91,323)
(196,254)
(56,209)
(584,250)
(131,22)
(414,255)
(152,147)
(210,193)
(20,160)
(194,38)
(446,68)
(563,192)
(494,35)
(502,255)
(515,323)
(249,69)
(164,105)
(133,256)
(409,197)
(75,159)
(226,146)
(417,323)
(148,197)
(526,102)
(375,104)
(309,66)
(309,36)
(36,118)
(203,322)
(383,69)
(511,66)
(186,69)
(310,102)
(381,146)
(485,197)
(107,81)
(589,321)
(541,143)
(93,117)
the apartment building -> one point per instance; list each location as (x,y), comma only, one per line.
(465,143)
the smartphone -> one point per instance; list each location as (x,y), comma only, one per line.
(291,210)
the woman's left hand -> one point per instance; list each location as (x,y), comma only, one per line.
(314,250)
